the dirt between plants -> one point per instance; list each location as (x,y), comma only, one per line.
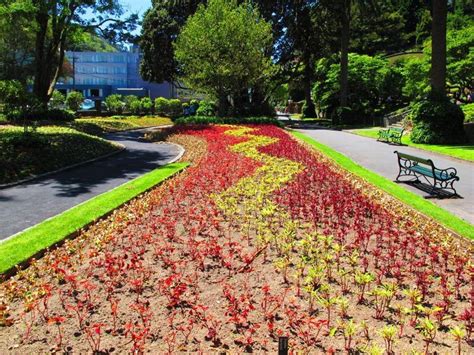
(228,256)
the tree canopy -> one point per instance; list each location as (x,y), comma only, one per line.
(222,50)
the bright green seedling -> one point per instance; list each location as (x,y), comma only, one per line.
(428,330)
(363,280)
(388,334)
(458,333)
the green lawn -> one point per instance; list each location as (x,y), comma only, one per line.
(101,125)
(465,152)
(417,202)
(28,243)
(47,149)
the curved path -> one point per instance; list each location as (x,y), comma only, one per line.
(379,157)
(25,205)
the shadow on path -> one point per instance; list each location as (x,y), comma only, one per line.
(27,204)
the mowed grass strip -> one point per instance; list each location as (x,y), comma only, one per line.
(465,152)
(28,243)
(426,207)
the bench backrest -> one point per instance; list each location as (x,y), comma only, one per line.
(396,129)
(417,159)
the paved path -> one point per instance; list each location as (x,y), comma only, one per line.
(379,157)
(27,204)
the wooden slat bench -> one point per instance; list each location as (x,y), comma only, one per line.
(391,135)
(413,166)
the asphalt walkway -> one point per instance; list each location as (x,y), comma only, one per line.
(25,205)
(379,158)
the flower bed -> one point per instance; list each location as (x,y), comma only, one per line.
(260,238)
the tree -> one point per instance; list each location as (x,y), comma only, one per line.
(229,59)
(16,40)
(55,21)
(161,26)
(438,45)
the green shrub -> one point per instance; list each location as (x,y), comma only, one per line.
(146,105)
(436,120)
(175,108)
(114,103)
(161,106)
(206,108)
(74,100)
(374,85)
(14,96)
(227,120)
(468,112)
(57,100)
(130,102)
(135,106)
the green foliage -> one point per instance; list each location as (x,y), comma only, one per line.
(161,25)
(46,149)
(460,56)
(146,105)
(230,58)
(436,120)
(416,74)
(373,82)
(468,112)
(227,120)
(57,100)
(162,106)
(175,108)
(280,95)
(74,100)
(83,41)
(132,104)
(17,40)
(114,103)
(206,108)
(136,107)
(13,96)
(128,101)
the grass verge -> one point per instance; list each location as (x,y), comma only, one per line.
(428,208)
(23,155)
(465,152)
(28,243)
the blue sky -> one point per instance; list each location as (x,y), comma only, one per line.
(139,6)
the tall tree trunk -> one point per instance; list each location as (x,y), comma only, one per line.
(41,81)
(438,46)
(310,110)
(345,32)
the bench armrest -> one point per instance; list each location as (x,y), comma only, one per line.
(449,173)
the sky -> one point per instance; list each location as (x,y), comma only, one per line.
(136,6)
(139,6)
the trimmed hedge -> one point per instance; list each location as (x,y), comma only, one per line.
(227,120)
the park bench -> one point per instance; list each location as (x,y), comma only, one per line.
(391,135)
(414,166)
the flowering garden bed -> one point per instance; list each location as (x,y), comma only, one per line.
(260,238)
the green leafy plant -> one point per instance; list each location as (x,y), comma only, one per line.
(74,100)
(114,103)
(436,120)
(162,106)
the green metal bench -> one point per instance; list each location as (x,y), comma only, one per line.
(391,135)
(413,166)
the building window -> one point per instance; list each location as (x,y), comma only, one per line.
(95,92)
